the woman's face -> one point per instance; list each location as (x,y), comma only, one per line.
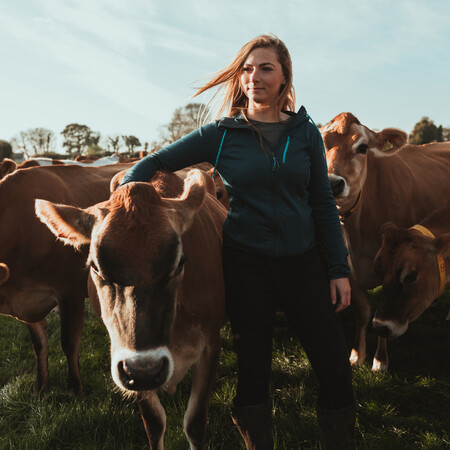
(262,77)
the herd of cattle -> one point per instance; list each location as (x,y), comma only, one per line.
(148,257)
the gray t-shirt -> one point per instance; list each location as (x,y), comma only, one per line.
(270,131)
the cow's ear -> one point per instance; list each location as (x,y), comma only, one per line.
(182,210)
(70,224)
(388,227)
(4,273)
(388,232)
(442,245)
(392,235)
(116,180)
(7,166)
(210,185)
(387,142)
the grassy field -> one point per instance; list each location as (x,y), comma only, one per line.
(407,408)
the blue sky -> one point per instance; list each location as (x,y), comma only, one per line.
(123,66)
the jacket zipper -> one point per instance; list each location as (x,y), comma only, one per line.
(274,196)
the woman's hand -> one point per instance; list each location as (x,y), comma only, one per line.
(340,293)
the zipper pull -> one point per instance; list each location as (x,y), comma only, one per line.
(274,167)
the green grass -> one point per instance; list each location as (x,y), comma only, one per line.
(407,408)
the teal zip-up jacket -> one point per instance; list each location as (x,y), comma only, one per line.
(279,201)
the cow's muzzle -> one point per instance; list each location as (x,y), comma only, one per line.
(143,371)
(338,185)
(388,329)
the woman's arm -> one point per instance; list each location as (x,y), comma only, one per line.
(199,146)
(324,211)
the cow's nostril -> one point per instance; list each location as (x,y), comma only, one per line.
(337,186)
(125,375)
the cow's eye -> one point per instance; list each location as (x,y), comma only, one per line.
(410,277)
(94,268)
(362,149)
(178,270)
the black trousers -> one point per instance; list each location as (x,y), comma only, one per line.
(256,286)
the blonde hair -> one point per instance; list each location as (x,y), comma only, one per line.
(228,79)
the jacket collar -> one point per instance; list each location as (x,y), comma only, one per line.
(239,121)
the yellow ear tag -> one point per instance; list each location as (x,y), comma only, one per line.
(387,146)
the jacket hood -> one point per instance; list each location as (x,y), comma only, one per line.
(239,121)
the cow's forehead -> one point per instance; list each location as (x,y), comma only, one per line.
(134,253)
(412,250)
(356,134)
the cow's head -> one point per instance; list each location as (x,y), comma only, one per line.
(136,264)
(348,145)
(407,266)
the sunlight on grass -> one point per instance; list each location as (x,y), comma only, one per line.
(433,441)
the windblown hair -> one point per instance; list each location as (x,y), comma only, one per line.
(235,102)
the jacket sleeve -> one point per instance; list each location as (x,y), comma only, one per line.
(324,211)
(199,146)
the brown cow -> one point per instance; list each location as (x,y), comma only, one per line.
(373,183)
(155,264)
(41,161)
(414,266)
(8,166)
(38,273)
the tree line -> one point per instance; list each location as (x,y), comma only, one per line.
(80,139)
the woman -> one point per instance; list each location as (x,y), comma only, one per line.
(273,165)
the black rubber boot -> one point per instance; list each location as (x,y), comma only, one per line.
(337,428)
(255,425)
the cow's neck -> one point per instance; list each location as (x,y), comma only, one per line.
(358,230)
(345,214)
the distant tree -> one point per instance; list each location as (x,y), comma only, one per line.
(446,134)
(131,142)
(77,138)
(155,146)
(41,140)
(95,150)
(5,150)
(425,131)
(19,144)
(35,141)
(113,144)
(184,120)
